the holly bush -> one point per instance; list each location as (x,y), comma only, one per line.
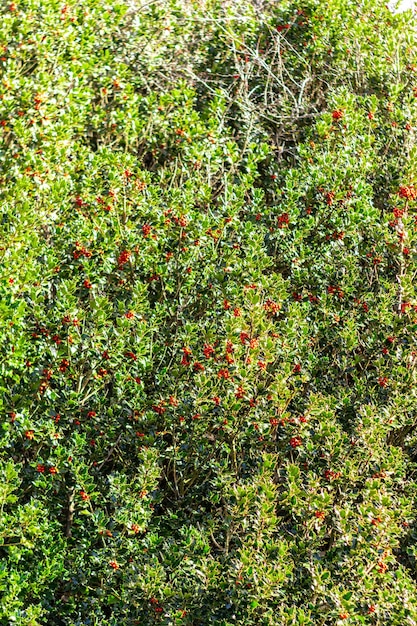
(208,246)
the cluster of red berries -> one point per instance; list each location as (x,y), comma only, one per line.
(41,469)
(123,258)
(331,475)
(283,220)
(272,307)
(81,250)
(409,192)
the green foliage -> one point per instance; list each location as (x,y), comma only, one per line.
(208,244)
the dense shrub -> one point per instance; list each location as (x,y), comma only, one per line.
(208,313)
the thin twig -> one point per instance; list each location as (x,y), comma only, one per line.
(112,449)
